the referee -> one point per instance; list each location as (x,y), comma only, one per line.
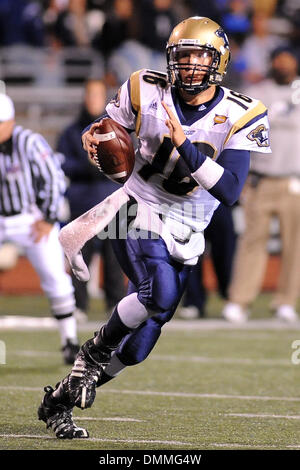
(32,184)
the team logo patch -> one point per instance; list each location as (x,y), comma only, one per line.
(220,119)
(260,135)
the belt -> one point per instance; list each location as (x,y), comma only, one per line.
(182,241)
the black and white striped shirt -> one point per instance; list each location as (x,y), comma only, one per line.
(30,175)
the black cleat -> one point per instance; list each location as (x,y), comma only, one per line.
(70,351)
(58,417)
(87,369)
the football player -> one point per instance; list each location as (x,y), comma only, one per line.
(194,143)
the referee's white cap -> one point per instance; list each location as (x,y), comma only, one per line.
(7,109)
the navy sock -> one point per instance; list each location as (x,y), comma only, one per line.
(113,332)
(104,379)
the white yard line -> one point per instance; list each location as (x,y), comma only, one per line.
(175,358)
(95,439)
(247,446)
(202,395)
(170,394)
(28,353)
(21,389)
(82,418)
(252,415)
(220,360)
(150,441)
(19,322)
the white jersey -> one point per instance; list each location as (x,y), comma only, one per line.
(161,179)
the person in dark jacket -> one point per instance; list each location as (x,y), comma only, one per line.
(89,187)
(21,23)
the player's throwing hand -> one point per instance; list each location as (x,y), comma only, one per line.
(89,142)
(176,131)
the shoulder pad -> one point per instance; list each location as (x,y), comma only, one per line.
(143,84)
(242,110)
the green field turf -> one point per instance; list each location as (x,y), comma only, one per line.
(199,389)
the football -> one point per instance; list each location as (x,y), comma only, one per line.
(115,151)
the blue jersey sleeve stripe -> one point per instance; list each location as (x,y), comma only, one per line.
(256,118)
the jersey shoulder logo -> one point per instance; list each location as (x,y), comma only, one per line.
(116,99)
(260,135)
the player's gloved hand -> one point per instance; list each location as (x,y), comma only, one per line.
(89,142)
(40,229)
(79,267)
(176,132)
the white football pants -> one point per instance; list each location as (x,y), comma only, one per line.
(47,258)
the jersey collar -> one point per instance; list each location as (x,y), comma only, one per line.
(188,114)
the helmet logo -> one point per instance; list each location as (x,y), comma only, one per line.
(221,34)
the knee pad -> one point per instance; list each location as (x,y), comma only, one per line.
(136,347)
(61,306)
(159,292)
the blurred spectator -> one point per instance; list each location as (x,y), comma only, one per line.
(236,20)
(21,23)
(157,21)
(51,11)
(210,9)
(290,9)
(273,189)
(268,7)
(257,48)
(102,5)
(71,34)
(76,26)
(87,188)
(220,235)
(235,75)
(119,26)
(132,56)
